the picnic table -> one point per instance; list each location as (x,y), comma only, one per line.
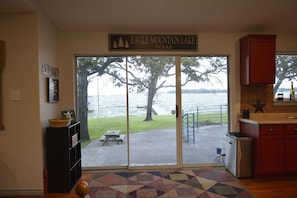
(112,136)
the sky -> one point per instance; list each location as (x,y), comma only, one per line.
(106,86)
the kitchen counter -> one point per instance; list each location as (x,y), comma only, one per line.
(274,142)
(271,118)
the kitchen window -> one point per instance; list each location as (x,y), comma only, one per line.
(286,73)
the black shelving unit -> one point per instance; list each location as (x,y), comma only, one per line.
(63,157)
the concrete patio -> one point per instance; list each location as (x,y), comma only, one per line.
(156,148)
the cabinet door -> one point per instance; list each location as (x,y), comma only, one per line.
(272,154)
(272,148)
(291,148)
(257,59)
(291,153)
(262,61)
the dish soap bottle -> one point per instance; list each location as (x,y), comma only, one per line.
(292,92)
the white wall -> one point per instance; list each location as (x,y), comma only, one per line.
(21,140)
(286,43)
(48,54)
(31,40)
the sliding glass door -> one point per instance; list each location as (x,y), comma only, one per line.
(152,101)
(165,110)
(205,108)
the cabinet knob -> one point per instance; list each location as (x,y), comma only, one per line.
(271,130)
(295,129)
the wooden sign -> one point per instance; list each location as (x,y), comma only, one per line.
(153,42)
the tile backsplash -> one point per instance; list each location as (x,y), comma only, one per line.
(264,93)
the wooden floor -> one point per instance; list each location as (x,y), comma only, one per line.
(271,188)
(261,188)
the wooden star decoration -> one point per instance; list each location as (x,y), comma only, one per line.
(258,106)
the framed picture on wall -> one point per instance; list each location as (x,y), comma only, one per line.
(53,89)
(69,114)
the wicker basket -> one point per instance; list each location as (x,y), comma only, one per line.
(59,122)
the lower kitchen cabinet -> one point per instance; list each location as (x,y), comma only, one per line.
(272,154)
(271,148)
(274,147)
(291,148)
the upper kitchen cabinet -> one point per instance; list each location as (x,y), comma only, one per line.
(257,59)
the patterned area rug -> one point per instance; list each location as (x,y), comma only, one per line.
(198,183)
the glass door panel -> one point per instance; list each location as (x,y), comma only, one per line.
(152,122)
(204,108)
(106,111)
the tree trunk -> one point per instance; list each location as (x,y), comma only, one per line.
(83,103)
(150,97)
(149,108)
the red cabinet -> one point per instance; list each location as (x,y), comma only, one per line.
(257,59)
(291,151)
(274,147)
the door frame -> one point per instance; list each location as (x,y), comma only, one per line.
(179,141)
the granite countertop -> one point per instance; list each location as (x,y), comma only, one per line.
(270,118)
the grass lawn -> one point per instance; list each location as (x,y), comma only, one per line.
(98,126)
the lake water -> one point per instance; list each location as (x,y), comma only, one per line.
(115,105)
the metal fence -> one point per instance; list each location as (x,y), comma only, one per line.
(188,126)
(202,116)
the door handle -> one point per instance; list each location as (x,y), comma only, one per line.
(176,111)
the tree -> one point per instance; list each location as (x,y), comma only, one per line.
(151,73)
(203,68)
(87,66)
(145,73)
(286,68)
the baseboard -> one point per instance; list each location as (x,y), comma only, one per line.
(19,192)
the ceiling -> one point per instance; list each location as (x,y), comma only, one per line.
(188,16)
